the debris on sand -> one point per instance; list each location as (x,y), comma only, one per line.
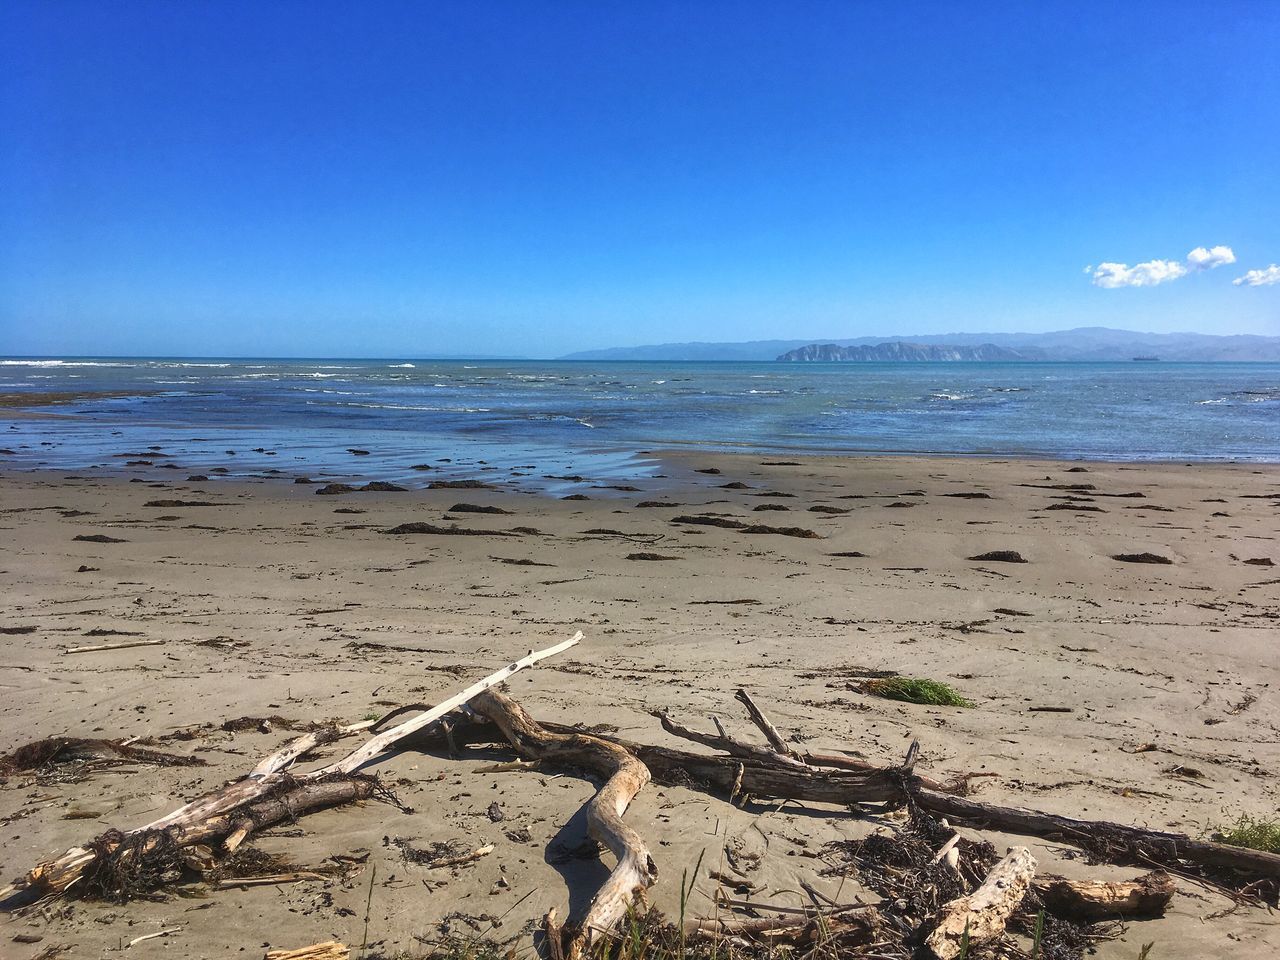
(970,495)
(1001,556)
(650,556)
(846,553)
(800,532)
(459,485)
(454,531)
(381,486)
(181,503)
(1075,507)
(44,755)
(16,631)
(754,528)
(332,489)
(477,508)
(98,538)
(578,496)
(656,503)
(823,508)
(724,522)
(1140,558)
(769,506)
(735,485)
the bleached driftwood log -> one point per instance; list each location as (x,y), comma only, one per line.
(53,877)
(981,916)
(1093,900)
(329,950)
(625,777)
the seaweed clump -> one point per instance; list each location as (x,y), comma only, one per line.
(916,690)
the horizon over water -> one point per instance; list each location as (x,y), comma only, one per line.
(302,417)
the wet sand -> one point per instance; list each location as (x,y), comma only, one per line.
(273,601)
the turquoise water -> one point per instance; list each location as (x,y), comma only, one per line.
(301,416)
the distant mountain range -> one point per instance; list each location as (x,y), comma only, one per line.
(898,350)
(1083,343)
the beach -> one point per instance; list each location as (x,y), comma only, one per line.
(1139,692)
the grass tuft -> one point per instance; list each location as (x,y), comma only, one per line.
(916,690)
(1254,834)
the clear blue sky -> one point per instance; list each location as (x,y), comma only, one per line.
(409,179)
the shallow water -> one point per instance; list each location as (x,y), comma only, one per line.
(592,417)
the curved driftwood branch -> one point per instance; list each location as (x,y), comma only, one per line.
(626,776)
(981,916)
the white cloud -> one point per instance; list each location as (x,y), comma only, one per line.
(1259,278)
(1202,259)
(1113,275)
(1153,272)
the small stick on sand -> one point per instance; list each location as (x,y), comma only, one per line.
(99,648)
(460,860)
(152,936)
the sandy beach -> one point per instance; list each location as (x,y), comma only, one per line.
(275,602)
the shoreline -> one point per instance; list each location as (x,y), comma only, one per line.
(270,601)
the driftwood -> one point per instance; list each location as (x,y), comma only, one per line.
(104,647)
(802,762)
(852,925)
(1114,841)
(329,950)
(193,822)
(981,916)
(1094,900)
(40,754)
(626,776)
(766,776)
(760,720)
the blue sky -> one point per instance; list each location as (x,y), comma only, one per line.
(387,179)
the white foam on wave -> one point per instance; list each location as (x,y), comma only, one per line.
(62,363)
(405,406)
(402,366)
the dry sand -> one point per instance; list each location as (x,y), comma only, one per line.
(272,604)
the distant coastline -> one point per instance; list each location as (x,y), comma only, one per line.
(1083,344)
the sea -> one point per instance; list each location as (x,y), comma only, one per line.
(548,419)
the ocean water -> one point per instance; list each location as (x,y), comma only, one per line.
(550,416)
